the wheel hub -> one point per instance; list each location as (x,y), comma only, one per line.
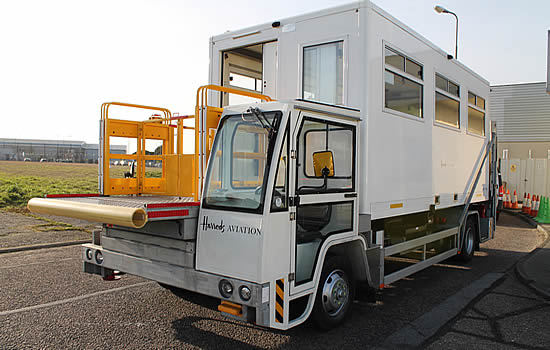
(335,293)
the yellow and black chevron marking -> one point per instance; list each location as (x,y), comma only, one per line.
(279,300)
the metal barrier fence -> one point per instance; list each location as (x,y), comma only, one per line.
(526,176)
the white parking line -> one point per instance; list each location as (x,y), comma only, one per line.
(70,300)
(38,263)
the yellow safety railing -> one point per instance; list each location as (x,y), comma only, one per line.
(206,123)
(182,174)
(158,129)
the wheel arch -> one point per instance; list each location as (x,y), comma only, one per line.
(355,252)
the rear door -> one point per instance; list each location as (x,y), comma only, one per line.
(269,69)
(252,68)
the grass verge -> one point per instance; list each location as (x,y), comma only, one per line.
(21,181)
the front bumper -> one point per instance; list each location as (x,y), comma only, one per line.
(98,260)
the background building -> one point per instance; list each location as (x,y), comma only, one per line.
(53,150)
(522,114)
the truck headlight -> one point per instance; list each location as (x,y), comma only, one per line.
(226,288)
(89,254)
(245,293)
(99,257)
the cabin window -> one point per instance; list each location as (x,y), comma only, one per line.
(476,114)
(238,167)
(476,100)
(245,82)
(447,102)
(323,73)
(404,84)
(248,156)
(319,136)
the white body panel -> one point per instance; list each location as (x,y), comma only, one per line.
(227,237)
(405,160)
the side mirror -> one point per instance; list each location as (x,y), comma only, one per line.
(323,164)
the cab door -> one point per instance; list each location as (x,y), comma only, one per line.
(323,197)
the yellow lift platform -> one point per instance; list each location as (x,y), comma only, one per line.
(182,174)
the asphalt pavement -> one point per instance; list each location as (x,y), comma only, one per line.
(513,314)
(534,271)
(47,302)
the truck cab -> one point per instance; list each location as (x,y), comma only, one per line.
(280,191)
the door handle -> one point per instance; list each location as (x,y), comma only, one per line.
(350,195)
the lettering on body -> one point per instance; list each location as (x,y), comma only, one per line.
(221,227)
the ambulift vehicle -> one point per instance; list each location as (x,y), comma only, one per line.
(285,209)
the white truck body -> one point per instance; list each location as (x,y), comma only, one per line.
(389,170)
(397,148)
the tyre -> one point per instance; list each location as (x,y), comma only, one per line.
(469,243)
(335,293)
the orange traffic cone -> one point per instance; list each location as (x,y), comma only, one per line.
(501,193)
(524,201)
(515,201)
(534,206)
(526,208)
(507,203)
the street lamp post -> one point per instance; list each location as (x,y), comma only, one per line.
(441,9)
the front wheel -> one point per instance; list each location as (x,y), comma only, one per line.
(334,294)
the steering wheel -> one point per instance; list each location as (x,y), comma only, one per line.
(258,190)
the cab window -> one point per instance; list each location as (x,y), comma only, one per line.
(333,142)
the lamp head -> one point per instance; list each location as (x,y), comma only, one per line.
(440,9)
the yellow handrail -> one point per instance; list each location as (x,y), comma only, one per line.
(179,166)
(140,173)
(105,108)
(202,93)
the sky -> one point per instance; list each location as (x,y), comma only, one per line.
(61,59)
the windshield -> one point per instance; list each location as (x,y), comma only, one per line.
(239,161)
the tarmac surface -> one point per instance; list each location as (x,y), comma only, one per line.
(47,302)
(535,269)
(18,231)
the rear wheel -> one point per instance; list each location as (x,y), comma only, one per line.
(334,294)
(469,242)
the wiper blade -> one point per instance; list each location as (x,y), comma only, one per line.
(263,120)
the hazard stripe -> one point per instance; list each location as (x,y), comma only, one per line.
(280,292)
(279,309)
(279,300)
